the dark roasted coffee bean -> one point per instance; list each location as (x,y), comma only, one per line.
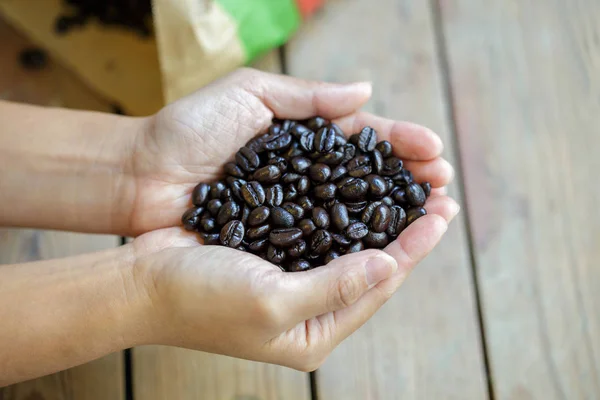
(214,206)
(253,194)
(377,185)
(228,211)
(414,213)
(300,164)
(191,218)
(336,128)
(281,218)
(210,239)
(242,248)
(325,191)
(355,207)
(390,183)
(290,177)
(277,142)
(297,249)
(308,226)
(381,218)
(290,192)
(356,230)
(307,141)
(400,196)
(295,209)
(324,140)
(329,203)
(299,266)
(303,185)
(349,152)
(355,247)
(354,189)
(404,177)
(415,194)
(341,240)
(285,237)
(315,123)
(333,158)
(245,214)
(275,255)
(267,174)
(235,184)
(367,139)
(320,217)
(258,216)
(298,130)
(397,221)
(274,195)
(330,256)
(387,200)
(367,213)
(200,194)
(391,166)
(377,240)
(287,125)
(258,232)
(385,148)
(232,234)
(227,195)
(339,216)
(426,188)
(353,139)
(314,258)
(216,189)
(234,170)
(274,130)
(306,203)
(338,172)
(258,245)
(320,242)
(207,224)
(293,151)
(377,159)
(319,173)
(340,141)
(359,166)
(280,163)
(247,159)
(255,144)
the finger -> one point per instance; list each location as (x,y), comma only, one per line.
(438,171)
(340,284)
(443,206)
(410,141)
(411,247)
(441,191)
(295,98)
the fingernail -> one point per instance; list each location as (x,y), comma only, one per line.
(455,209)
(379,268)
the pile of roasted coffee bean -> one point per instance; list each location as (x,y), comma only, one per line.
(303,194)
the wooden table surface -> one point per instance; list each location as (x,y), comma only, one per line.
(508,306)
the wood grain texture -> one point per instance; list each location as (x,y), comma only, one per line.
(97,380)
(161,372)
(526,82)
(424,343)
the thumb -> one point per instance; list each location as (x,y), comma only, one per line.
(295,98)
(335,286)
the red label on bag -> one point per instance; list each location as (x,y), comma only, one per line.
(308,7)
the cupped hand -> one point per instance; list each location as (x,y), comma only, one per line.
(189,140)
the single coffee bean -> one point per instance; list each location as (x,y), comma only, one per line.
(341,240)
(285,237)
(367,213)
(397,221)
(245,214)
(303,185)
(327,204)
(330,256)
(267,174)
(216,189)
(356,230)
(338,172)
(229,211)
(307,141)
(339,216)
(235,184)
(290,177)
(253,194)
(415,194)
(377,159)
(290,192)
(377,185)
(403,177)
(211,239)
(338,131)
(353,139)
(274,196)
(298,129)
(315,123)
(258,245)
(319,173)
(300,164)
(391,166)
(247,159)
(280,163)
(232,169)
(400,197)
(297,249)
(387,200)
(281,217)
(359,166)
(258,216)
(275,254)
(277,141)
(293,151)
(355,207)
(367,139)
(320,217)
(381,218)
(385,148)
(355,247)
(191,218)
(390,182)
(333,158)
(414,213)
(232,234)
(306,203)
(207,224)
(377,240)
(200,194)
(295,209)
(299,266)
(227,195)
(258,232)
(320,242)
(325,191)
(213,206)
(354,189)
(349,152)
(308,226)
(324,140)
(426,188)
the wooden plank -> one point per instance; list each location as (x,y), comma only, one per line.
(161,372)
(100,379)
(423,344)
(526,88)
